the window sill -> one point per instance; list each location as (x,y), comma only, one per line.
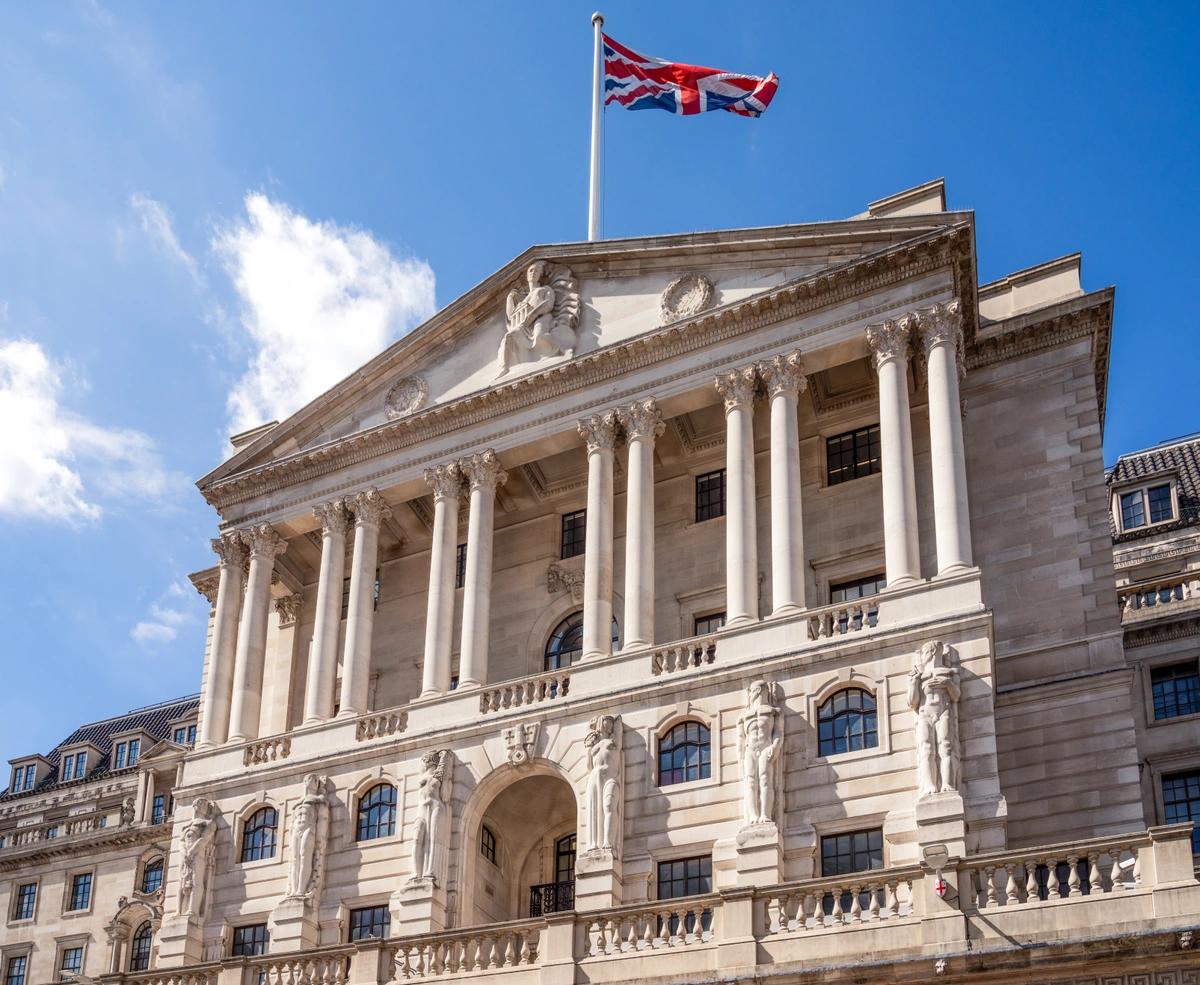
(824,489)
(260,863)
(1157,722)
(672,788)
(830,759)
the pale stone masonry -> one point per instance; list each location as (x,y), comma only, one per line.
(687,608)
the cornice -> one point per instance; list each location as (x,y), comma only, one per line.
(951,246)
(1163,632)
(101,840)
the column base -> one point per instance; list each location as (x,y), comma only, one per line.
(431,694)
(632,645)
(239,738)
(742,620)
(904,581)
(597,654)
(953,570)
(787,610)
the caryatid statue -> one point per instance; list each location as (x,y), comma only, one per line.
(430,832)
(933,693)
(605,768)
(541,319)
(309,833)
(759,739)
(198,849)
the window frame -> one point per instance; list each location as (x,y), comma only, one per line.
(9,960)
(714,508)
(854,687)
(570,617)
(875,828)
(69,896)
(66,947)
(1166,663)
(17,900)
(1142,490)
(261,850)
(576,519)
(133,940)
(244,952)
(360,797)
(718,617)
(488,844)
(704,742)
(147,865)
(874,464)
(682,859)
(1174,771)
(877,687)
(372,908)
(460,566)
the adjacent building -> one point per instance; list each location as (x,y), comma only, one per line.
(689,608)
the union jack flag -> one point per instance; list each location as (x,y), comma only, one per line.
(641,82)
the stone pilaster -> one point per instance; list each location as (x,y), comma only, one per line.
(369,509)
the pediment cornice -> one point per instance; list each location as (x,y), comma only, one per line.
(950,246)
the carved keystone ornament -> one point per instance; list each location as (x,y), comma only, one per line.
(520,741)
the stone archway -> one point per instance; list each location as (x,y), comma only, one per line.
(529,815)
(131,914)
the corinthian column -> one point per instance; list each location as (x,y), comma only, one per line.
(446,482)
(889,343)
(265,545)
(600,433)
(218,687)
(369,509)
(941,330)
(737,389)
(322,663)
(642,422)
(484,474)
(785,380)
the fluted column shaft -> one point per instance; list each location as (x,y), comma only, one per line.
(600,431)
(218,687)
(941,329)
(889,342)
(321,682)
(369,509)
(737,389)
(483,474)
(785,381)
(643,423)
(446,482)
(265,545)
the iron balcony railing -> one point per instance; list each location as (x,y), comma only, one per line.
(551,897)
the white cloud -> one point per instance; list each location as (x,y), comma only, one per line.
(163,621)
(149,633)
(54,462)
(155,220)
(317,301)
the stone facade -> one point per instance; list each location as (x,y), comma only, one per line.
(684,608)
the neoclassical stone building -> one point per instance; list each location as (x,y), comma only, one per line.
(691,608)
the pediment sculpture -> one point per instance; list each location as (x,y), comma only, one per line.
(540,318)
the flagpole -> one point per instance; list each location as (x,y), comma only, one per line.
(597,117)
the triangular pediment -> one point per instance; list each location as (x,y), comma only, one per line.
(623,289)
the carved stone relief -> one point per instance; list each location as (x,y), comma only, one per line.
(406,396)
(933,693)
(541,317)
(432,824)
(308,842)
(759,744)
(563,579)
(605,779)
(685,296)
(195,867)
(520,742)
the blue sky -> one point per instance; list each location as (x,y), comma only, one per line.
(210,212)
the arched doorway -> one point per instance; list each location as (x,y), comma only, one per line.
(522,851)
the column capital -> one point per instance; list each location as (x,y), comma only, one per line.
(368,507)
(642,419)
(943,324)
(263,541)
(483,470)
(230,548)
(288,608)
(737,387)
(446,481)
(600,431)
(889,340)
(334,516)
(784,374)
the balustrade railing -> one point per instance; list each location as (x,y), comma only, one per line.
(1033,877)
(383,724)
(551,897)
(683,655)
(179,976)
(526,691)
(843,618)
(1145,600)
(267,750)
(63,827)
(844,901)
(316,969)
(650,926)
(466,952)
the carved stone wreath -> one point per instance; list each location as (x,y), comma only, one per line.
(685,296)
(405,397)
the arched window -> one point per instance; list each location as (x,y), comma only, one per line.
(565,645)
(258,836)
(487,844)
(139,948)
(377,813)
(152,876)
(684,753)
(847,722)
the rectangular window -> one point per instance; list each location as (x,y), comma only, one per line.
(159,809)
(81,891)
(249,941)
(685,877)
(30,776)
(26,899)
(1176,690)
(120,759)
(702,625)
(191,735)
(460,566)
(574,533)
(178,736)
(1181,802)
(1133,511)
(80,765)
(859,588)
(371,921)
(18,778)
(854,851)
(487,844)
(14,973)
(72,961)
(134,747)
(1160,503)
(852,455)
(710,495)
(68,768)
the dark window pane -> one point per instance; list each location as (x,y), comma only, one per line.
(856,851)
(1176,690)
(14,973)
(460,566)
(710,495)
(684,754)
(139,948)
(1160,503)
(152,876)
(72,960)
(847,722)
(1133,511)
(258,836)
(377,813)
(25,901)
(250,941)
(1181,802)
(574,533)
(81,891)
(685,877)
(709,624)
(564,859)
(487,844)
(372,921)
(852,455)
(565,645)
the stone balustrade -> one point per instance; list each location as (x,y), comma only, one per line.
(270,750)
(650,926)
(525,691)
(378,726)
(1146,601)
(467,952)
(322,968)
(831,621)
(65,827)
(817,904)
(699,651)
(180,976)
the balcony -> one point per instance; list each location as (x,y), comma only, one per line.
(1166,598)
(1136,893)
(551,897)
